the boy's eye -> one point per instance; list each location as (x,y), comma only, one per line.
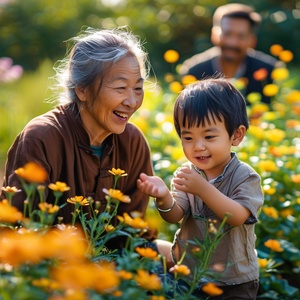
(208,137)
(187,138)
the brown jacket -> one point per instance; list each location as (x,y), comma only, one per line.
(58,141)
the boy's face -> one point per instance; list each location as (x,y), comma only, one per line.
(207,147)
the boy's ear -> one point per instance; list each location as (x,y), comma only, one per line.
(238,135)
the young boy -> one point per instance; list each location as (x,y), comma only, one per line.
(210,117)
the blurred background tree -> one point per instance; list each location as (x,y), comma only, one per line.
(32,31)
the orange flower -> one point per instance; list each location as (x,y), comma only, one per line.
(32,172)
(273,245)
(146,252)
(49,208)
(171,56)
(211,289)
(296,178)
(137,223)
(276,49)
(148,281)
(125,275)
(270,212)
(286,56)
(8,213)
(260,74)
(182,270)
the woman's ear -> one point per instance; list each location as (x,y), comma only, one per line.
(81,93)
(238,135)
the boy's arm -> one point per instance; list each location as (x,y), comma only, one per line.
(189,181)
(164,202)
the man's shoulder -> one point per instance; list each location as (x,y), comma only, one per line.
(261,58)
(202,60)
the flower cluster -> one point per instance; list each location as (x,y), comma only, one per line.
(39,260)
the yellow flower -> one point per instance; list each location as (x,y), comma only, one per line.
(10,189)
(211,289)
(276,49)
(254,97)
(78,199)
(49,208)
(280,74)
(109,227)
(182,270)
(267,166)
(32,172)
(293,97)
(287,212)
(146,252)
(270,90)
(148,281)
(273,245)
(117,172)
(262,262)
(171,56)
(175,87)
(117,195)
(169,77)
(241,83)
(270,212)
(188,79)
(275,135)
(286,56)
(8,213)
(268,190)
(59,186)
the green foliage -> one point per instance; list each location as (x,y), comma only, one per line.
(32,31)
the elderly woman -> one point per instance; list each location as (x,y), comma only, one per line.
(89,132)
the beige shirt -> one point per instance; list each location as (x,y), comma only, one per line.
(234,261)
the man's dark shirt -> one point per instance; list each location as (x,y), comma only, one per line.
(206,64)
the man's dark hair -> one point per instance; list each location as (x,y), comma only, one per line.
(238,11)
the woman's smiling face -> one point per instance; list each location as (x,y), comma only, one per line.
(120,95)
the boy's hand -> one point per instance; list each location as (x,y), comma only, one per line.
(152,185)
(189,181)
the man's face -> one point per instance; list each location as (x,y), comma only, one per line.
(235,37)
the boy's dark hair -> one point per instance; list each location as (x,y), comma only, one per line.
(207,100)
(237,11)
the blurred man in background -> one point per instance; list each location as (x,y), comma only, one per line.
(234,36)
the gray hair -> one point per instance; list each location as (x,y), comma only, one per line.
(92,52)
